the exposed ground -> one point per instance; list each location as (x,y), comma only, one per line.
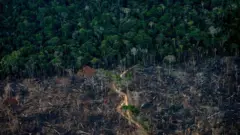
(200,98)
(87,106)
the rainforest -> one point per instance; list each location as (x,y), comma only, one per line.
(44,37)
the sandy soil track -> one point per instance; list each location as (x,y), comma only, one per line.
(127,115)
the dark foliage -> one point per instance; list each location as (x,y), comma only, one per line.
(45,37)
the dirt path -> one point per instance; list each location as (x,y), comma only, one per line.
(125,101)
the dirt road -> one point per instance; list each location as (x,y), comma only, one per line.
(125,101)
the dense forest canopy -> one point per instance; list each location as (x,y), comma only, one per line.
(43,37)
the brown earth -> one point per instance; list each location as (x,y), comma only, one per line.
(201,98)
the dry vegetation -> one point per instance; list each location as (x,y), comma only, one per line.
(61,105)
(189,99)
(183,99)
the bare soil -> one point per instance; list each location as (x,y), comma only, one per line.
(189,98)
